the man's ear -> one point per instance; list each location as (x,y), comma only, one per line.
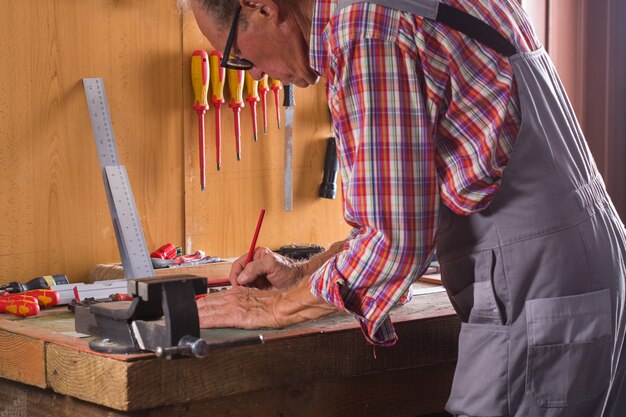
(267,9)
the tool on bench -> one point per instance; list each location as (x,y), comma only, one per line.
(289,101)
(218,75)
(162,318)
(128,232)
(235,86)
(39,283)
(263,89)
(200,83)
(19,305)
(45,298)
(328,188)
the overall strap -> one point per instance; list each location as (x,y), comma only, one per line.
(450,16)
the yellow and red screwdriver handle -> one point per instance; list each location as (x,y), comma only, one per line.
(263,89)
(200,83)
(252,97)
(218,76)
(45,298)
(276,86)
(235,86)
(19,304)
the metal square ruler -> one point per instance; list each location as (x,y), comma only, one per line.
(131,241)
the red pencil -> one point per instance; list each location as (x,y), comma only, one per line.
(256,236)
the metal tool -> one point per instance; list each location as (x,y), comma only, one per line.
(162,318)
(128,232)
(235,86)
(276,86)
(289,101)
(252,97)
(263,89)
(218,75)
(200,83)
(328,188)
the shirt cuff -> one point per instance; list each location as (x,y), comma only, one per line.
(328,285)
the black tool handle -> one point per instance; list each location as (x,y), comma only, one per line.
(328,189)
(39,283)
(289,98)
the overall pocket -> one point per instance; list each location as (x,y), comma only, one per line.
(569,348)
(480,381)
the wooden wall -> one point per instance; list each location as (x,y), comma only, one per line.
(53,212)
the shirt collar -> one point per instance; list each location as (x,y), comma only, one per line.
(318,47)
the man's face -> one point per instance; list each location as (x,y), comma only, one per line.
(272,47)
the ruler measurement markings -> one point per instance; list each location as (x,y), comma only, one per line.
(128,232)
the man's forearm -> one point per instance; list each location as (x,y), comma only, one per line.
(313,264)
(298,304)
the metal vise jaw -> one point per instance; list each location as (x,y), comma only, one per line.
(162,318)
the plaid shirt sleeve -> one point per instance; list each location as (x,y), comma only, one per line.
(389,179)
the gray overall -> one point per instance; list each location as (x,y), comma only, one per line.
(538,277)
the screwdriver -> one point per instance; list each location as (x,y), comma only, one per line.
(276,86)
(200,83)
(235,86)
(218,75)
(26,306)
(263,89)
(45,298)
(39,283)
(252,98)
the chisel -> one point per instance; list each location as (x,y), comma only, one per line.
(289,102)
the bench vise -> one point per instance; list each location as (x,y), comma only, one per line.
(162,318)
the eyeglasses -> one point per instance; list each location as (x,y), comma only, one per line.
(234,62)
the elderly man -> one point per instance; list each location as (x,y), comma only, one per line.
(454,132)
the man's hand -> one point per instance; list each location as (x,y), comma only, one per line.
(266,270)
(270,270)
(251,308)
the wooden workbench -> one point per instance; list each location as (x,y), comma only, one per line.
(322,368)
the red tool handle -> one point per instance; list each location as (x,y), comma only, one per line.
(27,306)
(45,298)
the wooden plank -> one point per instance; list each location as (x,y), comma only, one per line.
(89,377)
(289,362)
(22,359)
(409,392)
(19,400)
(217,271)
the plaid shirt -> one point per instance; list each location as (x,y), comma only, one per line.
(423,115)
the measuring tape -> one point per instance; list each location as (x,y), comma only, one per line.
(131,242)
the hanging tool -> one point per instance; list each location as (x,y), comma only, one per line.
(218,76)
(328,188)
(276,86)
(263,89)
(200,83)
(252,98)
(39,283)
(235,86)
(131,242)
(289,101)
